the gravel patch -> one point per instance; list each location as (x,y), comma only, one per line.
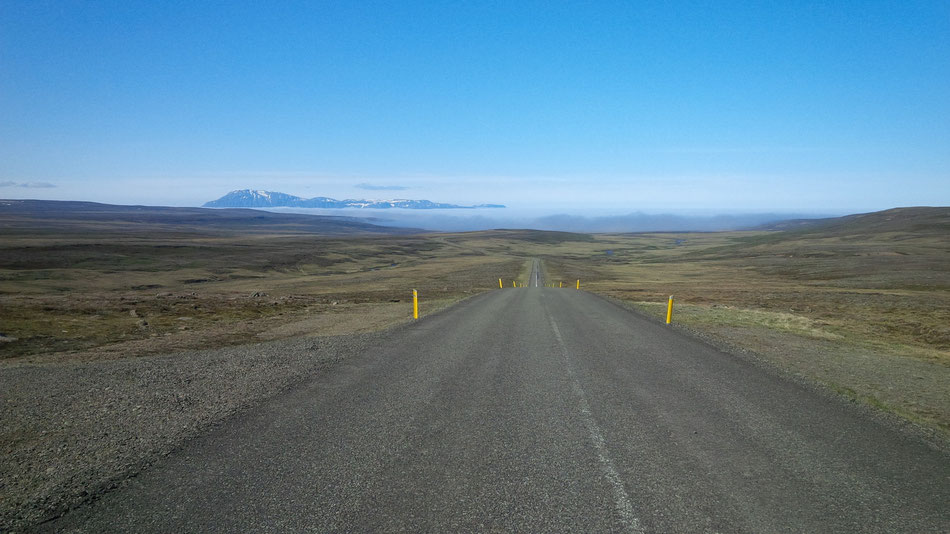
(71,430)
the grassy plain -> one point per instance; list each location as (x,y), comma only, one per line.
(860,304)
(81,280)
(73,293)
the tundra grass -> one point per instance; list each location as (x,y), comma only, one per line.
(71,293)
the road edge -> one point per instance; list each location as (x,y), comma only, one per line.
(61,501)
(906,427)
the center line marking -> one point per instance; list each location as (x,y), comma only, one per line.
(621,499)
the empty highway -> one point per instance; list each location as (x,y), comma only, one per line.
(539,410)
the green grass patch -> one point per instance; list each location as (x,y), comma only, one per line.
(702,314)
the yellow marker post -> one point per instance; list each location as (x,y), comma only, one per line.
(669,311)
(514,284)
(415,304)
(499,284)
(560,284)
(578,284)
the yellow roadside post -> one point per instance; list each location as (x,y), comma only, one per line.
(514,284)
(415,304)
(669,311)
(560,284)
(578,284)
(499,284)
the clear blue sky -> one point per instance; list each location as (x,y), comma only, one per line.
(720,106)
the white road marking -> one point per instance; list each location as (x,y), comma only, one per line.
(621,499)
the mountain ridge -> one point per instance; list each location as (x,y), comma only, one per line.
(248,198)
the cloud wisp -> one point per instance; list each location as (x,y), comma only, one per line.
(372,187)
(27,185)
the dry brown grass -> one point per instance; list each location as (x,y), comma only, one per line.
(88,291)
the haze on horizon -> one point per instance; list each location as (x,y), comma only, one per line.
(605,110)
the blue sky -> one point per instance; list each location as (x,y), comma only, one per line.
(827,107)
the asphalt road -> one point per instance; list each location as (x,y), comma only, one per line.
(539,410)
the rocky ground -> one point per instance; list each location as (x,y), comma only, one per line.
(72,428)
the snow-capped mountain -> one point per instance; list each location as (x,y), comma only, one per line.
(247,198)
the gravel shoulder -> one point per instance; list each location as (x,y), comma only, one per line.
(70,431)
(538,410)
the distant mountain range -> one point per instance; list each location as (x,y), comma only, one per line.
(247,198)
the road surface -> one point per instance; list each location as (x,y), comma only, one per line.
(539,410)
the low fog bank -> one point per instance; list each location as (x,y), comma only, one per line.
(643,222)
(490,219)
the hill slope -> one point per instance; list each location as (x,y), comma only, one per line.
(901,248)
(918,220)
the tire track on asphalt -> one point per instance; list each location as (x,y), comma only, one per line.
(622,502)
